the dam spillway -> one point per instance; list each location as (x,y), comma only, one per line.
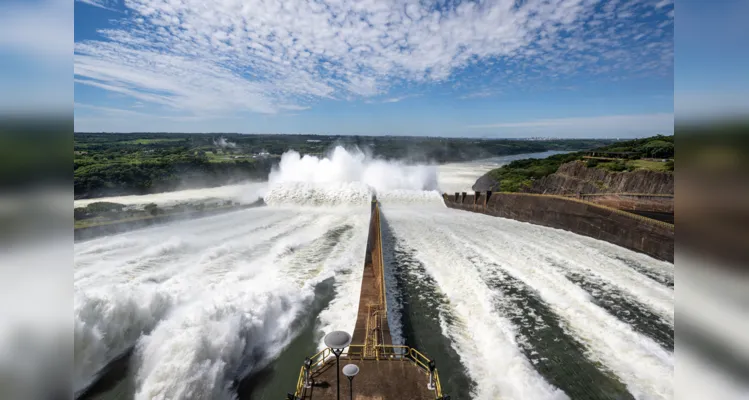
(254,279)
(385,371)
(626,229)
(381,364)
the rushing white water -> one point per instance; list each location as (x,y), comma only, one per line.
(347,166)
(460,248)
(205,301)
(241,193)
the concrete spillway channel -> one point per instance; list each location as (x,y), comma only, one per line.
(623,228)
(387,371)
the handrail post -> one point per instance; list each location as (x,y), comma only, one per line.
(431,385)
(307,374)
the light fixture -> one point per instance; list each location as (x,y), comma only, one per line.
(350,370)
(337,341)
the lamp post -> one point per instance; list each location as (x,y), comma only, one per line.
(337,341)
(350,370)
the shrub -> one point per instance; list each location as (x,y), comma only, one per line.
(613,166)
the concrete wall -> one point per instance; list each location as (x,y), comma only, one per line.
(634,232)
(371,320)
(91,232)
(634,202)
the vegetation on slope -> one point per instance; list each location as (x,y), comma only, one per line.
(138,163)
(519,175)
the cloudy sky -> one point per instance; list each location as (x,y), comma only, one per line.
(488,68)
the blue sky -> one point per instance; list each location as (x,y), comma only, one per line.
(504,68)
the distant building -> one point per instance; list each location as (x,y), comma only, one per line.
(614,154)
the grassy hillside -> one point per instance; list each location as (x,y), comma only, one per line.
(138,163)
(645,153)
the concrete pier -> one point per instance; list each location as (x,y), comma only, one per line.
(371,320)
(385,371)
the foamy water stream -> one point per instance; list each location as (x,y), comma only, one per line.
(206,303)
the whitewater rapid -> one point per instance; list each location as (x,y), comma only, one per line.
(210,300)
(471,255)
(508,309)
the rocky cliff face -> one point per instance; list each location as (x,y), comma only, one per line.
(575,177)
(486,182)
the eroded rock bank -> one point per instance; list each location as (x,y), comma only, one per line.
(574,178)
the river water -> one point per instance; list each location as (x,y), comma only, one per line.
(228,306)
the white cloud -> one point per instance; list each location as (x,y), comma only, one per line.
(608,125)
(480,94)
(293,107)
(397,99)
(105,4)
(111,111)
(266,55)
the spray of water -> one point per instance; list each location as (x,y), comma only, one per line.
(207,301)
(348,177)
(223,143)
(353,166)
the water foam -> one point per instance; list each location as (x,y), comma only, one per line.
(197,352)
(404,196)
(311,194)
(483,339)
(244,193)
(211,300)
(451,243)
(348,177)
(342,165)
(108,323)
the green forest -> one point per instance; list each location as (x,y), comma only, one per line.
(108,164)
(648,153)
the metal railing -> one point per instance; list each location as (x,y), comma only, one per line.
(381,266)
(384,353)
(373,348)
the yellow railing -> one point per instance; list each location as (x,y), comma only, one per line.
(373,349)
(381,353)
(373,329)
(383,298)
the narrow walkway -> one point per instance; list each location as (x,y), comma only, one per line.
(386,380)
(385,372)
(371,321)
